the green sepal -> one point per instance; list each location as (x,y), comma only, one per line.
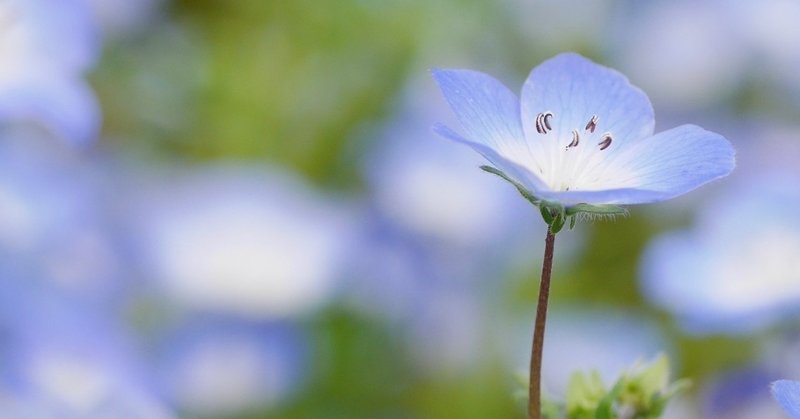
(522,190)
(600,210)
(554,215)
(558,223)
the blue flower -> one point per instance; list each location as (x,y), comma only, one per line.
(221,366)
(787,393)
(581,134)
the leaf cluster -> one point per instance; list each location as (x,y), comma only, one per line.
(640,393)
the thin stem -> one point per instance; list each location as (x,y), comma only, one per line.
(534,387)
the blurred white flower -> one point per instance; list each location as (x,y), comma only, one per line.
(253,242)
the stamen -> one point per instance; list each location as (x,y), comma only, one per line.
(576,139)
(606,141)
(543,122)
(592,124)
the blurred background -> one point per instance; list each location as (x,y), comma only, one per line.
(237,209)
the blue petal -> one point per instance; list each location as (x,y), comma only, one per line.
(574,89)
(486,109)
(787,393)
(674,162)
(618,196)
(512,169)
(660,167)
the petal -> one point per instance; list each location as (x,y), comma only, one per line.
(658,168)
(486,109)
(514,170)
(673,162)
(574,89)
(619,196)
(787,393)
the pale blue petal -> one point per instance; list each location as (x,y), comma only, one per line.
(486,109)
(620,196)
(574,89)
(787,393)
(675,161)
(660,167)
(514,170)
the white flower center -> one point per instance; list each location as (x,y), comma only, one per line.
(580,165)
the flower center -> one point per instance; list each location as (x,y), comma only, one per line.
(580,164)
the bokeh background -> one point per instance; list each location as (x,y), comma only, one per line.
(237,209)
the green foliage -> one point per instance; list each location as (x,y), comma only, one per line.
(640,393)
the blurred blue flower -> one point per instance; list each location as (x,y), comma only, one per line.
(216,366)
(62,354)
(244,240)
(740,394)
(737,270)
(57,221)
(46,46)
(580,134)
(787,393)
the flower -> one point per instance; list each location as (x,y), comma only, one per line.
(787,393)
(581,134)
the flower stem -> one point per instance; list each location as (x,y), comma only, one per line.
(534,386)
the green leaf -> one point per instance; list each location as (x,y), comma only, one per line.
(655,377)
(605,408)
(583,394)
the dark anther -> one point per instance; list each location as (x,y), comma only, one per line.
(576,139)
(605,142)
(543,122)
(546,118)
(592,124)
